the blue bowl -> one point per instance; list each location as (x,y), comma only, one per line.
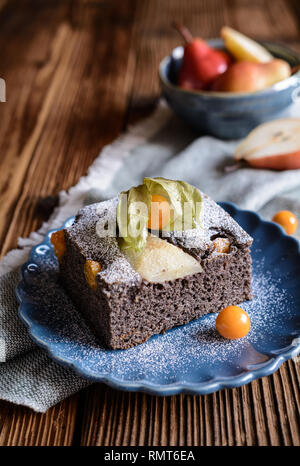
(229,115)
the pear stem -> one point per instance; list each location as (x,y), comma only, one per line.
(183,31)
(232,168)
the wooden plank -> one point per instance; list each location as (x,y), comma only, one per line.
(294,8)
(286,401)
(156,38)
(82,109)
(25,41)
(71,72)
(273,21)
(251,419)
(23,49)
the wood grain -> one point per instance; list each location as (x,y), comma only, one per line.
(77,73)
(22,426)
(61,113)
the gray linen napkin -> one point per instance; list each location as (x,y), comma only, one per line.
(160,145)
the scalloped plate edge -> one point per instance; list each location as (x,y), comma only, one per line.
(201,388)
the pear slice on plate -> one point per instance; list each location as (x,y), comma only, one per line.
(274,145)
(161,261)
(243,48)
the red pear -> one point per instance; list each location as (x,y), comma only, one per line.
(274,145)
(201,64)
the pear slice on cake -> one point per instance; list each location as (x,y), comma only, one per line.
(161,261)
(274,145)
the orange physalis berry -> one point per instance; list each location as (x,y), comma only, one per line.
(233,323)
(160,212)
(59,243)
(91,268)
(221,245)
(287,220)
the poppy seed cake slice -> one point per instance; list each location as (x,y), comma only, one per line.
(124,308)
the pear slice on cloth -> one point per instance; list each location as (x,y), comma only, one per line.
(243,48)
(274,145)
(161,261)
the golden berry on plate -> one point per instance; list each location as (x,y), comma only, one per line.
(233,323)
(287,220)
(160,212)
(59,243)
(91,268)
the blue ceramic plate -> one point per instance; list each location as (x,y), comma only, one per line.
(229,115)
(192,358)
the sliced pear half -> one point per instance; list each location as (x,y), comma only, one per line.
(161,261)
(243,48)
(274,145)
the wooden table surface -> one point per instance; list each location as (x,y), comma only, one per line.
(77,72)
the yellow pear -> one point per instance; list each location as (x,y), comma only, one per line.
(247,76)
